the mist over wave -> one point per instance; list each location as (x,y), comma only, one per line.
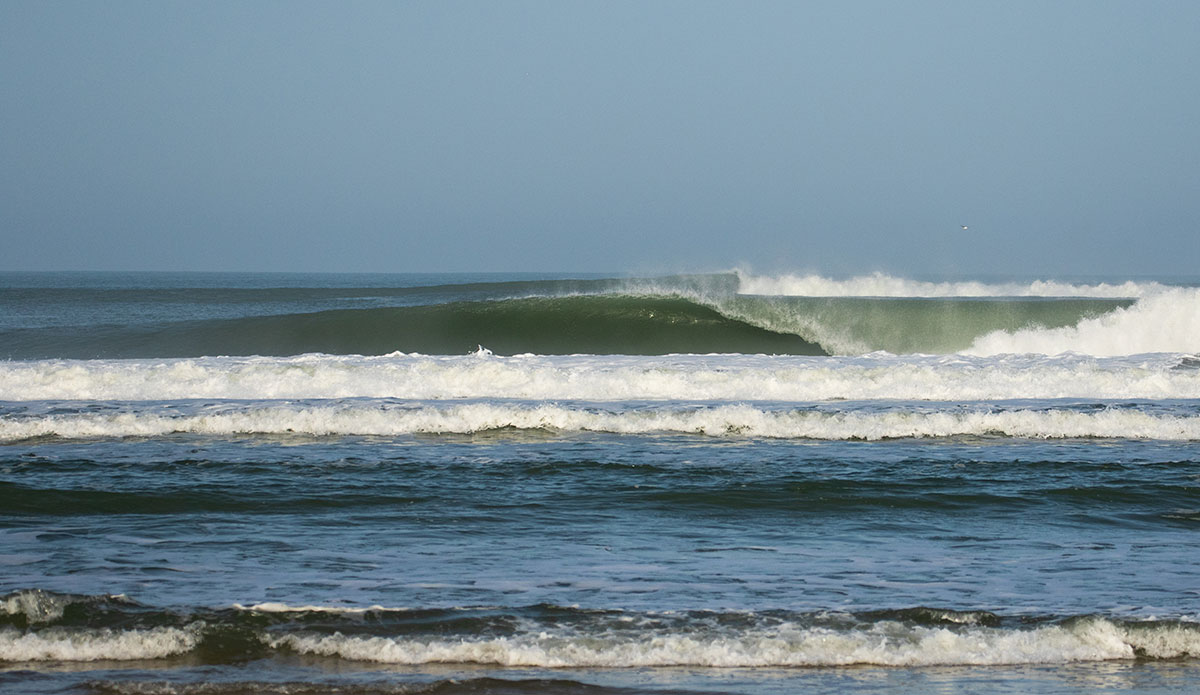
(883,285)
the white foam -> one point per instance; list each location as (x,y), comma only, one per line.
(602,378)
(58,644)
(882,285)
(1168,321)
(787,645)
(386,419)
(277,607)
(37,606)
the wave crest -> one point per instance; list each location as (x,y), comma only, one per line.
(398,419)
(604,378)
(550,636)
(885,643)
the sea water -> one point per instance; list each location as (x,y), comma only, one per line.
(220,483)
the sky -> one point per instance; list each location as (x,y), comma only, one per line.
(834,137)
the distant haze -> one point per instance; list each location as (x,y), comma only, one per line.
(836,137)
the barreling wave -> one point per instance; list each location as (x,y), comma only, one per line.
(861,325)
(96,628)
(724,313)
(390,418)
(897,315)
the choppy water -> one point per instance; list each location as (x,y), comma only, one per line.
(366,484)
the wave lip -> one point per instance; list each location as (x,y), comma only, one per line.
(883,285)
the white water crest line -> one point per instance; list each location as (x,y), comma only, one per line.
(720,421)
(883,285)
(62,644)
(885,643)
(605,378)
(788,645)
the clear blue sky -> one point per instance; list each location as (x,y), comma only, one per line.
(604,136)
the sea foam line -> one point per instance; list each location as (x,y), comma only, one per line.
(388,419)
(279,607)
(604,378)
(885,643)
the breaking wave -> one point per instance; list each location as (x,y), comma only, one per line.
(551,636)
(606,378)
(390,418)
(724,313)
(884,643)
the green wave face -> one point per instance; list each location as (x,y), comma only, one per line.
(599,324)
(857,325)
(700,314)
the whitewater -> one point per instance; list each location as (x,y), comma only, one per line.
(608,378)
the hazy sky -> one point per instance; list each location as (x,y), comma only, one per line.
(601,136)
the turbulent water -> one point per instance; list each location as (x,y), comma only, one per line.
(217,483)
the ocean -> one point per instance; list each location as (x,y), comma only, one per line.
(547,483)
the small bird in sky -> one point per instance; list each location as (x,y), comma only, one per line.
(963,226)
